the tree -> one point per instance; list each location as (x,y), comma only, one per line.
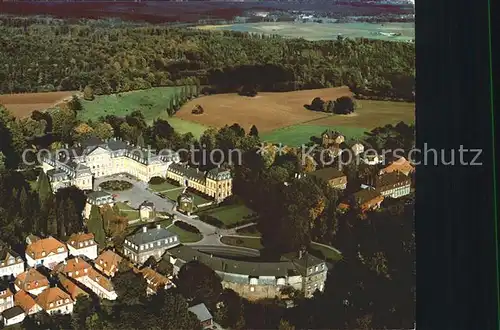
(343,105)
(230,310)
(51,217)
(254,131)
(130,287)
(2,161)
(317,104)
(285,325)
(83,131)
(44,188)
(75,104)
(140,141)
(199,283)
(96,227)
(84,308)
(103,131)
(88,93)
(63,122)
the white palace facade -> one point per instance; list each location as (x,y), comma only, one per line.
(95,158)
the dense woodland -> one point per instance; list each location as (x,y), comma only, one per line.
(49,55)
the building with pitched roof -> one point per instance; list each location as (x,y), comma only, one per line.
(394,184)
(365,200)
(400,165)
(71,287)
(11,263)
(98,198)
(31,281)
(107,263)
(26,302)
(216,183)
(12,316)
(47,252)
(146,242)
(54,300)
(155,280)
(6,298)
(257,280)
(97,158)
(332,176)
(82,244)
(203,315)
(147,211)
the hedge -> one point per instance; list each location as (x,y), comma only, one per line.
(156,180)
(187,227)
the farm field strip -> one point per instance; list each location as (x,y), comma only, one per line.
(22,105)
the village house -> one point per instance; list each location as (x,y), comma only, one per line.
(216,183)
(98,198)
(107,263)
(31,281)
(372,159)
(26,302)
(149,242)
(400,165)
(155,280)
(147,211)
(82,272)
(71,287)
(47,252)
(6,298)
(11,263)
(13,315)
(393,184)
(365,200)
(357,149)
(54,300)
(332,176)
(330,137)
(82,244)
(203,315)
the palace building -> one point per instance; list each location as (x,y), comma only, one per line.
(95,158)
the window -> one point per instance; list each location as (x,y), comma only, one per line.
(70,274)
(142,247)
(51,305)
(77,272)
(43,254)
(252,289)
(175,238)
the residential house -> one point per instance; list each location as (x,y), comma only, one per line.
(107,263)
(400,165)
(6,298)
(11,263)
(48,252)
(71,287)
(54,300)
(149,242)
(330,137)
(332,176)
(79,270)
(31,281)
(155,280)
(365,200)
(147,211)
(26,302)
(82,244)
(98,198)
(203,315)
(372,159)
(13,315)
(394,184)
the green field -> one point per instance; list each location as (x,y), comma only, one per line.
(184,126)
(297,135)
(128,211)
(151,102)
(230,214)
(185,236)
(327,253)
(163,187)
(249,231)
(251,243)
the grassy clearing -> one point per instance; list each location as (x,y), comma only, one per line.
(251,243)
(172,194)
(185,236)
(230,214)
(249,231)
(152,103)
(300,134)
(327,253)
(184,126)
(128,211)
(162,187)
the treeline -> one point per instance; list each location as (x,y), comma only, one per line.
(117,58)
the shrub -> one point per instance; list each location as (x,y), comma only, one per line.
(212,220)
(117,185)
(187,227)
(156,180)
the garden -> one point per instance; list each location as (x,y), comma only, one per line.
(116,185)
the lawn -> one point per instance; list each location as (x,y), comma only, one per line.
(173,194)
(163,187)
(152,103)
(251,243)
(185,236)
(184,126)
(128,211)
(230,214)
(249,231)
(298,135)
(327,253)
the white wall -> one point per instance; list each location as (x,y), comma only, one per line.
(35,292)
(47,261)
(15,320)
(64,309)
(89,251)
(14,269)
(97,289)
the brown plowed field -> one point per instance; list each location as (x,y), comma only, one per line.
(268,111)
(22,105)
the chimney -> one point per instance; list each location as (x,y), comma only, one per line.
(144,229)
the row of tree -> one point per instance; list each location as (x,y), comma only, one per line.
(118,58)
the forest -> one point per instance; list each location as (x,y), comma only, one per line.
(48,55)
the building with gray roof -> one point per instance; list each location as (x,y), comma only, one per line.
(145,243)
(203,314)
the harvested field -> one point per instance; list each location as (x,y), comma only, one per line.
(268,111)
(22,105)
